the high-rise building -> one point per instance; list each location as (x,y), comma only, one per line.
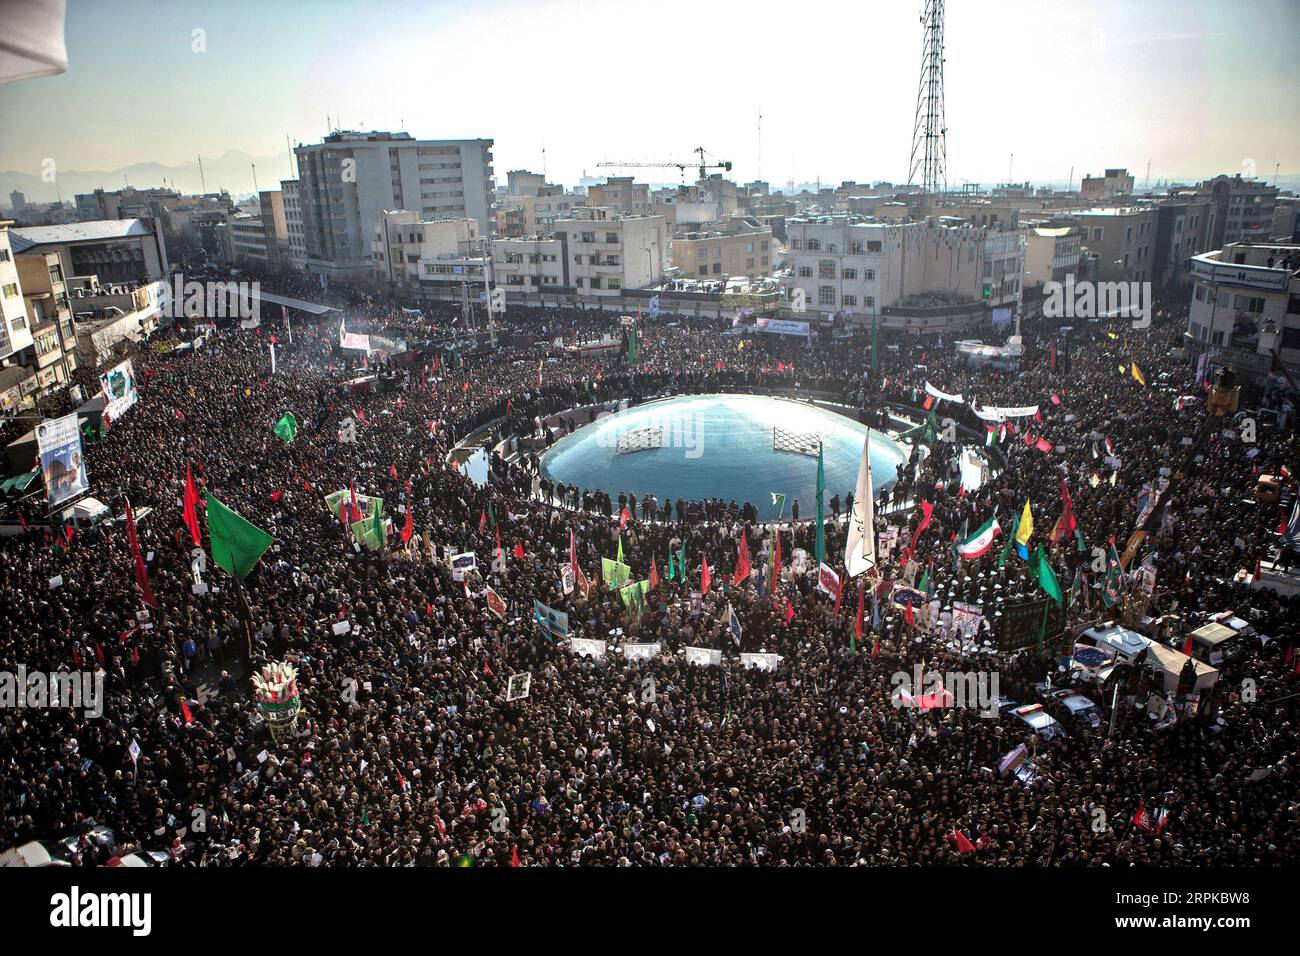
(350,179)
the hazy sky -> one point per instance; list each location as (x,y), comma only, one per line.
(1194,86)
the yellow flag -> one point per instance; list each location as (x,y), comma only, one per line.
(1112,335)
(1026,525)
(1137,374)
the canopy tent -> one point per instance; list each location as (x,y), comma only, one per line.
(256,295)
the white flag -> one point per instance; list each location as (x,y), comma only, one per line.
(860,550)
(134,751)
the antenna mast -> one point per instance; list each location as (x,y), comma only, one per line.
(929,133)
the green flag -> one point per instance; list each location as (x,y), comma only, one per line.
(820,546)
(1047,577)
(778,502)
(1078,541)
(237,545)
(681,561)
(672,573)
(380,529)
(924,586)
(286,429)
(619,557)
(1011,542)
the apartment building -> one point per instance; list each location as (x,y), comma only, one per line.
(15,332)
(295,240)
(1241,209)
(349,179)
(863,268)
(530,266)
(54,337)
(1245,307)
(621,196)
(520,182)
(605,253)
(1119,243)
(1051,253)
(740,247)
(248,239)
(1112,184)
(403,244)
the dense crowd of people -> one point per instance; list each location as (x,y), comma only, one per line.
(412,755)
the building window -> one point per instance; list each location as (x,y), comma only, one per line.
(10,289)
(871,275)
(613,283)
(869,301)
(826,295)
(826,269)
(796,243)
(611,237)
(717,268)
(850,301)
(805,272)
(814,245)
(850,273)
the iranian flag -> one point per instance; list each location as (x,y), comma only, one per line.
(978,544)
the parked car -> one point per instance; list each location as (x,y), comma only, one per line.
(1038,720)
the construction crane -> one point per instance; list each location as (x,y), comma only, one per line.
(703,164)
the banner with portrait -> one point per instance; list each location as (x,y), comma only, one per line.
(63,464)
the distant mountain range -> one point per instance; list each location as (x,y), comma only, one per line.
(232,171)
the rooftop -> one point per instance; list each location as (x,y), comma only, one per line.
(29,237)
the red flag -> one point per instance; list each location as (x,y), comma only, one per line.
(1043,445)
(68,532)
(857,622)
(99,655)
(623,517)
(275,495)
(392,471)
(1142,819)
(482,521)
(191,516)
(963,844)
(875,647)
(927,512)
(789,610)
(742,560)
(409,525)
(654,574)
(356,511)
(514,856)
(706,577)
(185,712)
(22,521)
(141,577)
(1187,645)
(909,616)
(519,550)
(573,560)
(929,402)
(487,670)
(1065,526)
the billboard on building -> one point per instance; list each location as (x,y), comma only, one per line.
(63,465)
(118,384)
